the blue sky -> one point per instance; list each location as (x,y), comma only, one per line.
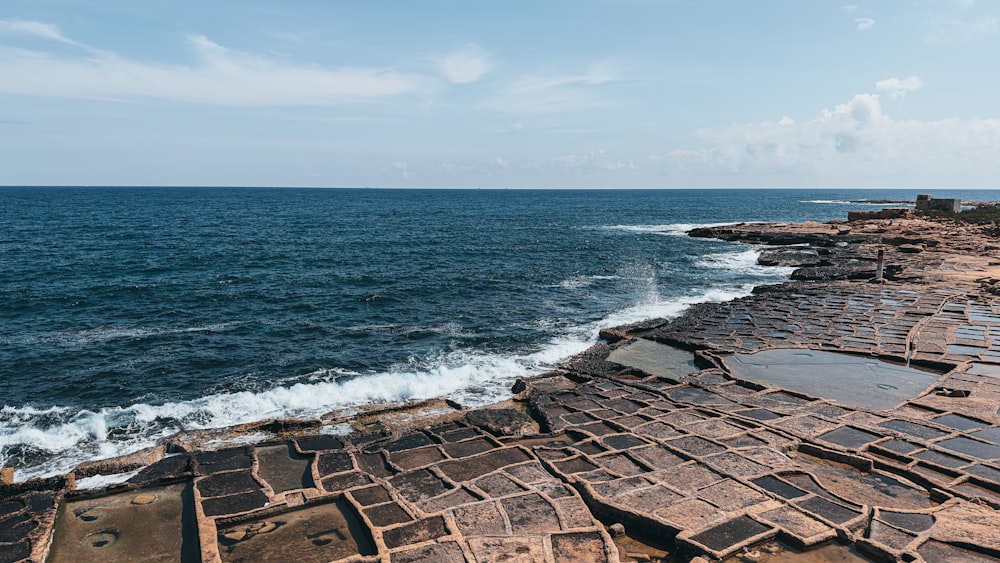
(552,93)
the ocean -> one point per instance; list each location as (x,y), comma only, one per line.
(129,314)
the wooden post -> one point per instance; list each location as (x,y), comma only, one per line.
(880,268)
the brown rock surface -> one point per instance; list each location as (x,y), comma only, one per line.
(697,463)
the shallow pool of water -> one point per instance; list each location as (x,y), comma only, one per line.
(854,381)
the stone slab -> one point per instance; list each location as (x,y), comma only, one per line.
(116,528)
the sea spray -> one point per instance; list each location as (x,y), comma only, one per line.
(467,376)
(132,314)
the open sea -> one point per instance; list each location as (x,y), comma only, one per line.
(128,314)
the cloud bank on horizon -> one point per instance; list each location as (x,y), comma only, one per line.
(598,93)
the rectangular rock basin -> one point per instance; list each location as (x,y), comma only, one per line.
(849,380)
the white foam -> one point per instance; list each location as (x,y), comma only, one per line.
(101,481)
(577,282)
(856,202)
(107,333)
(742,262)
(447,328)
(471,377)
(670,229)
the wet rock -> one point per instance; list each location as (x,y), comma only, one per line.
(229,459)
(736,233)
(419,531)
(15,551)
(912,241)
(501,422)
(120,464)
(281,426)
(6,476)
(520,386)
(591,362)
(790,257)
(168,469)
(848,271)
(612,335)
(725,537)
(320,442)
(223,484)
(234,504)
(57,483)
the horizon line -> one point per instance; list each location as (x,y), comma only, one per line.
(237,186)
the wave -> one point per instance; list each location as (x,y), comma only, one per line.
(743,262)
(452,329)
(43,442)
(879,203)
(106,333)
(578,282)
(670,229)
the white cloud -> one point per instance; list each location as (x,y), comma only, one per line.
(554,94)
(963,30)
(961,22)
(511,128)
(465,66)
(594,160)
(36,29)
(591,164)
(850,8)
(474,171)
(855,143)
(222,76)
(400,169)
(985,25)
(897,88)
(864,23)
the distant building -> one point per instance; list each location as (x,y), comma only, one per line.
(926,204)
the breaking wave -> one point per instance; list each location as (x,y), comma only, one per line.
(671,229)
(42,442)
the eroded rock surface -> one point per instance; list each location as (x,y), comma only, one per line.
(679,455)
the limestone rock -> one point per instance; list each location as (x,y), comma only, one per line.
(501,422)
(121,464)
(145,498)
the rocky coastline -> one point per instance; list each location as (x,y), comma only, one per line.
(842,416)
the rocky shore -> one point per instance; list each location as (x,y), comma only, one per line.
(837,417)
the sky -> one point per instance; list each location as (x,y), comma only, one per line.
(516,94)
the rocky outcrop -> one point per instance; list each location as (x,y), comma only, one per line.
(501,422)
(794,257)
(707,464)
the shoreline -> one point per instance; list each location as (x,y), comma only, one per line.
(478,384)
(553,469)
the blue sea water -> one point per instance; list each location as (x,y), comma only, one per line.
(128,314)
